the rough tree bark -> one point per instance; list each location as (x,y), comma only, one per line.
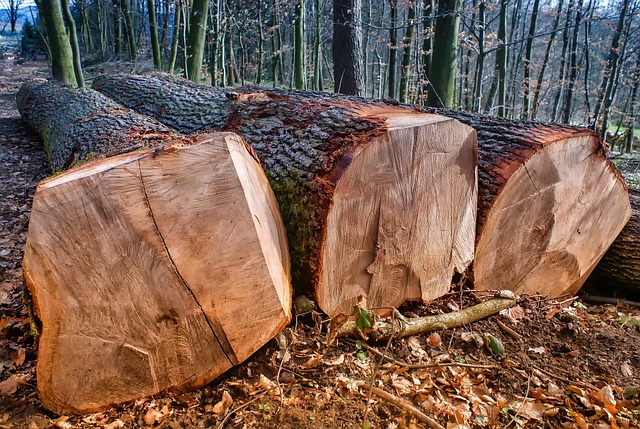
(144,267)
(348,63)
(620,266)
(377,199)
(543,192)
(196,39)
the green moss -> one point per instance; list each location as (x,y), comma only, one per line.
(35,326)
(298,207)
(45,139)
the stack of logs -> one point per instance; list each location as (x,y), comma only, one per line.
(166,253)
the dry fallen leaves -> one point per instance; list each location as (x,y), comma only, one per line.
(10,385)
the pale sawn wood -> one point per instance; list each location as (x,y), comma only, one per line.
(149,279)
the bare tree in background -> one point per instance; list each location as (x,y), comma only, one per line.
(12,8)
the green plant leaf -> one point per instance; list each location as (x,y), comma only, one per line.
(365,319)
(494,345)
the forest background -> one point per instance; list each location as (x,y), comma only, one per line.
(569,61)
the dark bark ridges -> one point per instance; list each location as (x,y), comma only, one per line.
(79,124)
(505,145)
(620,266)
(300,137)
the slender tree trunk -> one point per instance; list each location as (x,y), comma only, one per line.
(61,57)
(407,44)
(587,62)
(260,43)
(196,39)
(573,73)
(317,48)
(298,46)
(348,60)
(101,21)
(526,102)
(131,38)
(73,40)
(117,29)
(175,38)
(610,69)
(393,47)
(563,56)
(445,49)
(428,9)
(477,85)
(631,118)
(153,30)
(545,62)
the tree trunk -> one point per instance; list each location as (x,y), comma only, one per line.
(573,73)
(58,41)
(298,48)
(407,43)
(428,10)
(393,47)
(73,40)
(445,50)
(563,56)
(117,29)
(477,85)
(631,118)
(131,38)
(526,105)
(620,266)
(152,270)
(347,48)
(175,38)
(545,62)
(543,192)
(196,39)
(378,199)
(153,30)
(317,48)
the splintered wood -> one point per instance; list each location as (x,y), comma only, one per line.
(148,279)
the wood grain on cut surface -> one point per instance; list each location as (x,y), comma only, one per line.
(127,260)
(379,200)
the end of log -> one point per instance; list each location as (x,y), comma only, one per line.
(154,271)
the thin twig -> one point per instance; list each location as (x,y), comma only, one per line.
(507,330)
(398,402)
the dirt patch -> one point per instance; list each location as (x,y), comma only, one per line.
(565,364)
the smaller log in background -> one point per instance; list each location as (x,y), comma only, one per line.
(76,125)
(550,204)
(152,270)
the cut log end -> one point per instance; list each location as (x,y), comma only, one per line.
(192,260)
(403,214)
(552,221)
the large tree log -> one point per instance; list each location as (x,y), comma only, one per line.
(550,203)
(378,200)
(153,270)
(620,266)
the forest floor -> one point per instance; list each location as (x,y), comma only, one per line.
(566,364)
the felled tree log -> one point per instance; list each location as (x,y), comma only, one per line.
(620,266)
(550,204)
(378,200)
(153,270)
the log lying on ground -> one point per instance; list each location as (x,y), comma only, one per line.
(550,203)
(378,200)
(153,270)
(620,266)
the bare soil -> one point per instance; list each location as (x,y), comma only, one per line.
(566,364)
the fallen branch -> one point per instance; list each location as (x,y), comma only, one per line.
(510,332)
(405,406)
(383,329)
